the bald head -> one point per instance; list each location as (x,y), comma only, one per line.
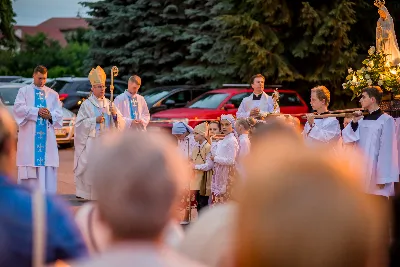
(135,177)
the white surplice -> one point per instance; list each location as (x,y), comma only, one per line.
(325,130)
(186,146)
(123,102)
(86,131)
(244,149)
(378,142)
(26,116)
(265,104)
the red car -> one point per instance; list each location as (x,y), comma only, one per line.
(212,104)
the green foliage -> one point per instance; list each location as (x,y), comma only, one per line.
(210,42)
(174,42)
(376,70)
(39,49)
(7,24)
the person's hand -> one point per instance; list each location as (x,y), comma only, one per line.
(44,113)
(310,119)
(100,119)
(212,158)
(357,116)
(113,110)
(381,186)
(254,112)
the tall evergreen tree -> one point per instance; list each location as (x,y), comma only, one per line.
(207,62)
(7,24)
(143,36)
(293,41)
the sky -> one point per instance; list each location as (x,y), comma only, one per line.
(34,12)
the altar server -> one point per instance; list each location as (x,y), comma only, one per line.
(375,135)
(38,111)
(258,102)
(133,106)
(316,130)
(201,184)
(96,115)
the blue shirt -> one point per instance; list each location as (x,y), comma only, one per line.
(64,241)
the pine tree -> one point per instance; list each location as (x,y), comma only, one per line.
(292,41)
(7,24)
(145,37)
(207,61)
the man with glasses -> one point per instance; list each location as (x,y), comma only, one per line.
(96,116)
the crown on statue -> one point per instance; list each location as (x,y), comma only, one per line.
(97,76)
(379,3)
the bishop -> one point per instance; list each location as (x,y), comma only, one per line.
(96,115)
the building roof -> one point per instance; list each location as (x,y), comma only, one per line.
(64,24)
(53,28)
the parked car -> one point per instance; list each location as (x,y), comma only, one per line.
(8,94)
(7,79)
(211,105)
(72,90)
(162,98)
(27,80)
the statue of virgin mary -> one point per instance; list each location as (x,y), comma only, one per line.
(386,40)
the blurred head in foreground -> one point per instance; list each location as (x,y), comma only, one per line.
(135,177)
(8,148)
(300,207)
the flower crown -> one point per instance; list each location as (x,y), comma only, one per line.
(379,3)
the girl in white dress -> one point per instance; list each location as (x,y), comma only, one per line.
(224,162)
(243,127)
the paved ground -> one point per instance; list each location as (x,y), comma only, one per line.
(66,186)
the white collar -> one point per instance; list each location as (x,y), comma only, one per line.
(130,94)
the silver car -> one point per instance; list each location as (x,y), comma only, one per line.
(64,136)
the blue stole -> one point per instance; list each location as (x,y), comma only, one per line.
(41,130)
(98,112)
(132,107)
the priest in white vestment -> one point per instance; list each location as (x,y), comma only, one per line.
(38,111)
(375,135)
(258,102)
(325,130)
(133,106)
(96,115)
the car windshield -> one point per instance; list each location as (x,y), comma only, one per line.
(154,95)
(8,95)
(209,101)
(56,85)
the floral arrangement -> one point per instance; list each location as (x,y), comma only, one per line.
(376,70)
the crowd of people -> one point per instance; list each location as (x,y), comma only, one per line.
(251,190)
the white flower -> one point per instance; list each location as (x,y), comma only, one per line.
(380,82)
(344,85)
(367,76)
(371,64)
(371,51)
(350,70)
(369,82)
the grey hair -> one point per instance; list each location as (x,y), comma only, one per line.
(136,182)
